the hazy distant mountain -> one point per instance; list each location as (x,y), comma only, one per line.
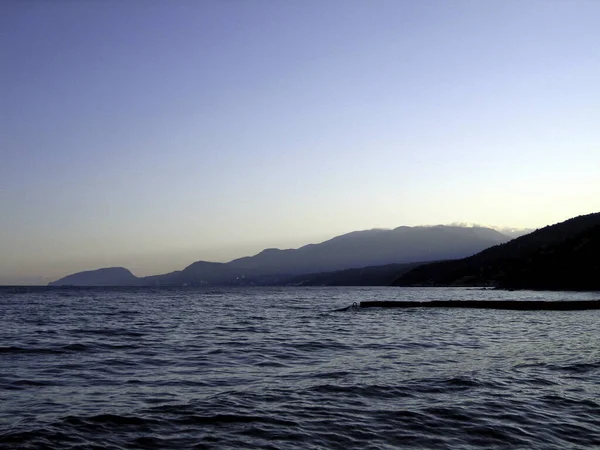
(561,256)
(375,247)
(361,276)
(352,250)
(198,273)
(511,232)
(110,276)
(514,233)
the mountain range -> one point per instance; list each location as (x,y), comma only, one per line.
(349,251)
(564,256)
(383,275)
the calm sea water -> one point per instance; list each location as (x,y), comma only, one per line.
(277,368)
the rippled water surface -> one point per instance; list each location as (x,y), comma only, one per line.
(277,368)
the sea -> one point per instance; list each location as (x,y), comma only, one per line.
(279,368)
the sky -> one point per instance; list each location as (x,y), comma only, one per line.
(150,134)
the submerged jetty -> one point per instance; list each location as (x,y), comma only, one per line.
(524,305)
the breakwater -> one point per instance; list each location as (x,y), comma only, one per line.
(535,305)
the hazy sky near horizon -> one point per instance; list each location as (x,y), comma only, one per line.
(151,134)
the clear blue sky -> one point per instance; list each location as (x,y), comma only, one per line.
(151,134)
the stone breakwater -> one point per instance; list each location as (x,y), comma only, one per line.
(534,305)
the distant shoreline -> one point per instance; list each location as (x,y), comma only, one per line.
(212,287)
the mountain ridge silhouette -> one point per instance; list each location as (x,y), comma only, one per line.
(563,256)
(351,250)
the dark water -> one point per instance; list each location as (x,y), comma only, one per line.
(275,368)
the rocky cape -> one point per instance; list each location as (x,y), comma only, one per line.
(358,249)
